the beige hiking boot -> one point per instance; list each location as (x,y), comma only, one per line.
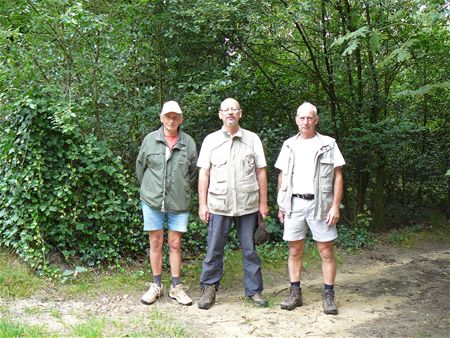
(178,293)
(152,294)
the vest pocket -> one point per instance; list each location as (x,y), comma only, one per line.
(218,169)
(326,167)
(248,196)
(217,197)
(326,199)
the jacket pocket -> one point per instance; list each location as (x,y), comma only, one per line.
(156,160)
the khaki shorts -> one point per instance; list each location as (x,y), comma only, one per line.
(296,225)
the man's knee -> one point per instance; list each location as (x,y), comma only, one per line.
(156,242)
(174,244)
(326,251)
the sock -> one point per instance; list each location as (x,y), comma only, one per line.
(175,281)
(328,287)
(295,284)
(157,280)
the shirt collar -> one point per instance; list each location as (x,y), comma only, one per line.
(226,133)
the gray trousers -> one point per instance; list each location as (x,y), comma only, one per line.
(218,230)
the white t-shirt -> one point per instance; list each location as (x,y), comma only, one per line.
(303,172)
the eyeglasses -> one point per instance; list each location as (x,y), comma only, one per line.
(232,109)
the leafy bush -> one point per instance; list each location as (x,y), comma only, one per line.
(62,193)
(358,235)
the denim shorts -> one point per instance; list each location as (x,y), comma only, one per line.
(154,219)
(296,226)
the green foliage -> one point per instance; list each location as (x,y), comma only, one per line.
(97,72)
(358,235)
(274,254)
(194,241)
(63,193)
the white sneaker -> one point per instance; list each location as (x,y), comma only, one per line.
(180,295)
(152,294)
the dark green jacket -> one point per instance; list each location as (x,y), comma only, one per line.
(167,185)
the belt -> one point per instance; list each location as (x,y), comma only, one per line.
(304,196)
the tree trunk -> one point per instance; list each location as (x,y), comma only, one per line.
(363,182)
(379,206)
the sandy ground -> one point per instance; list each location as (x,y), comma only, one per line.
(388,292)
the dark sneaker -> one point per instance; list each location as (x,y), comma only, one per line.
(207,298)
(294,300)
(329,305)
(258,300)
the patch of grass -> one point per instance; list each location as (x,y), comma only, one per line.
(153,324)
(413,235)
(94,284)
(91,328)
(158,326)
(16,280)
(232,268)
(56,314)
(9,328)
(33,310)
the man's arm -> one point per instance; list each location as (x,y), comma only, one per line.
(280,212)
(338,190)
(141,163)
(203,183)
(261,177)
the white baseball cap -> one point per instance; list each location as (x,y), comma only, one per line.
(171,107)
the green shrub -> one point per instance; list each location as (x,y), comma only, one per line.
(63,193)
(358,235)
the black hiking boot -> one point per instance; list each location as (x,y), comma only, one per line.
(329,305)
(207,298)
(294,300)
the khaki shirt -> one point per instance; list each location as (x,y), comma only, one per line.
(233,187)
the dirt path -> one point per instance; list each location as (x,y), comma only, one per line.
(389,292)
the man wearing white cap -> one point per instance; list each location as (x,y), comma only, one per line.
(166,170)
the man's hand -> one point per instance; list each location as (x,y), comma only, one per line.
(203,213)
(263,209)
(333,215)
(281,216)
